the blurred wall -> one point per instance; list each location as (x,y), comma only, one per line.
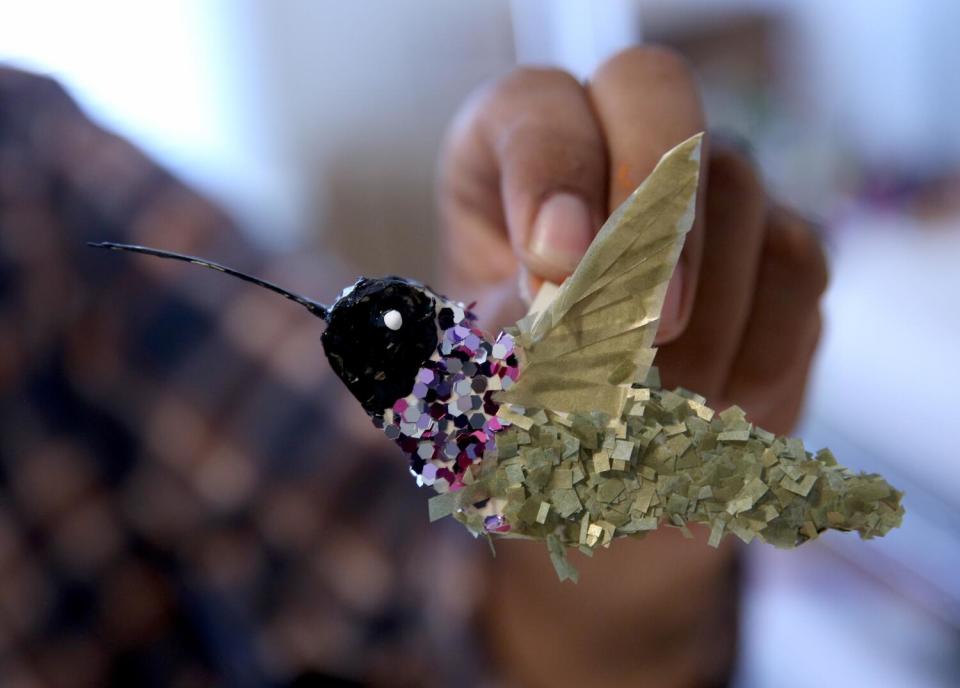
(357,96)
(831,95)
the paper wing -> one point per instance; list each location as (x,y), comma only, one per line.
(583,350)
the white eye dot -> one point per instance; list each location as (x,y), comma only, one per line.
(393,320)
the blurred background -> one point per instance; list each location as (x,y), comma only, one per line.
(316,126)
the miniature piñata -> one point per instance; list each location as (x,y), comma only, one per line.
(558,429)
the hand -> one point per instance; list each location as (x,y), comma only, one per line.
(531,168)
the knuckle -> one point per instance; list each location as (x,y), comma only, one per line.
(520,82)
(530,136)
(735,203)
(732,172)
(517,108)
(537,154)
(654,62)
(798,248)
(525,78)
(528,129)
(813,261)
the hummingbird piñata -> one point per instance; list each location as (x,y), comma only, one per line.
(557,429)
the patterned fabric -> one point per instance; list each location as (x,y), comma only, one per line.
(188,497)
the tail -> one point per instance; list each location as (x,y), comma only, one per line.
(871,507)
(818,495)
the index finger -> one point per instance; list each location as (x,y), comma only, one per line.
(525,162)
(646,101)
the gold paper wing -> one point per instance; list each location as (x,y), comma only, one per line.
(581,352)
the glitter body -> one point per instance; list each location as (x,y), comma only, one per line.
(448,422)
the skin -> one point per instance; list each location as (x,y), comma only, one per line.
(740,325)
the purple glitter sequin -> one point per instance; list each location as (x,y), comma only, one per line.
(449,422)
(496,524)
(452,431)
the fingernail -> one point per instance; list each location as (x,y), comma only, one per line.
(672,303)
(525,285)
(561,234)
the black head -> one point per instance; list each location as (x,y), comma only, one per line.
(378,336)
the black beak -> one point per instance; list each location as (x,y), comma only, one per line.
(318,309)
